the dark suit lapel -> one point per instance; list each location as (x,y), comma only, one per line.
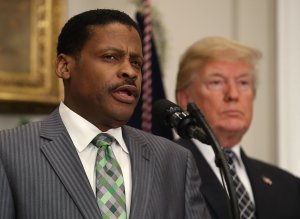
(62,156)
(261,186)
(211,188)
(142,165)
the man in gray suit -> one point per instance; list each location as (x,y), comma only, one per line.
(47,168)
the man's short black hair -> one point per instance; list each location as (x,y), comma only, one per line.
(76,31)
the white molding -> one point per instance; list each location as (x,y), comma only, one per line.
(288,84)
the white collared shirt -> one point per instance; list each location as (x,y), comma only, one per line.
(82,132)
(209,156)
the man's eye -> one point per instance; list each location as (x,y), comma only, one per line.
(215,84)
(110,57)
(137,64)
(244,84)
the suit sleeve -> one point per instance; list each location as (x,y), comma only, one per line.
(6,200)
(194,201)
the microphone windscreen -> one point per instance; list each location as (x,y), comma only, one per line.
(163,109)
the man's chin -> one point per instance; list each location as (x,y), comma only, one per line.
(233,125)
(121,120)
(232,129)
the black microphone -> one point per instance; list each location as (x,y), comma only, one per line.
(173,116)
(192,124)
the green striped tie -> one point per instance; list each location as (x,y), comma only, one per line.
(110,191)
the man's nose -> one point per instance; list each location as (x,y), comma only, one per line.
(128,71)
(232,91)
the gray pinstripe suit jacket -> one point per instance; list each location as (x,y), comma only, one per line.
(41,176)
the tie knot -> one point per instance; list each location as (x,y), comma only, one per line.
(230,156)
(103,140)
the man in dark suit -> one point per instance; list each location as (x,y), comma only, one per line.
(48,168)
(219,75)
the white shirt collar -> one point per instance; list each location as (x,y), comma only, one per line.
(82,132)
(237,152)
(209,154)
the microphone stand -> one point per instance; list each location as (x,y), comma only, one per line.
(221,160)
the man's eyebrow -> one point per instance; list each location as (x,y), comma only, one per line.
(113,49)
(121,51)
(216,73)
(136,55)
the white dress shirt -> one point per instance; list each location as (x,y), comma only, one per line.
(82,132)
(209,156)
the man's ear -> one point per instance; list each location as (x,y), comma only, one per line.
(182,98)
(63,66)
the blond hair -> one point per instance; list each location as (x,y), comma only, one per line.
(211,48)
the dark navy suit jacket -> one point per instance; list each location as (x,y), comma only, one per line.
(276,192)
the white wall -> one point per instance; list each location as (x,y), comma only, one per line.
(252,22)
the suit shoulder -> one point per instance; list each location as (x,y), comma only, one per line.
(13,141)
(21,130)
(270,168)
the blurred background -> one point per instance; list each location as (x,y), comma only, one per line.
(272,26)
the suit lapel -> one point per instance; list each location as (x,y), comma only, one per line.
(62,156)
(213,191)
(142,165)
(211,188)
(261,187)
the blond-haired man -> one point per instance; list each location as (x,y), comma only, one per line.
(220,76)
